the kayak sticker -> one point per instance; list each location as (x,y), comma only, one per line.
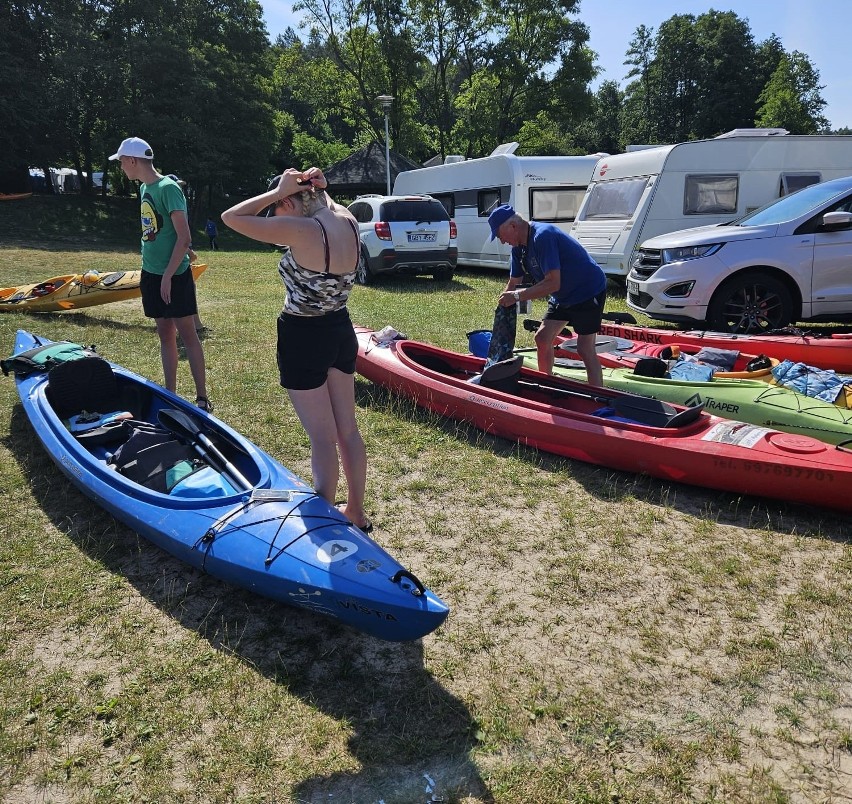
(310,600)
(336,550)
(743,435)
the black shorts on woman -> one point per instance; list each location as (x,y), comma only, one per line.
(585,317)
(183,301)
(310,345)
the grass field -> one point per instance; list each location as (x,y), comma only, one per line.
(612,638)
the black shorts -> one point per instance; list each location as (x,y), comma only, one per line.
(183,301)
(584,317)
(308,346)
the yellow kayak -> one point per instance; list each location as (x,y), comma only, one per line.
(73,291)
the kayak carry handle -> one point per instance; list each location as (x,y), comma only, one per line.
(419,589)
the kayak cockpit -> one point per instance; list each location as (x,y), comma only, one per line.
(142,436)
(559,395)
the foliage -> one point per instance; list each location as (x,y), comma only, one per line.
(791,98)
(697,77)
(224,108)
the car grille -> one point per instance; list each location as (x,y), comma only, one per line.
(640,299)
(647,262)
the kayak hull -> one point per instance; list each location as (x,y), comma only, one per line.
(557,415)
(76,291)
(279,538)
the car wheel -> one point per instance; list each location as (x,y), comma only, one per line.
(443,274)
(363,274)
(752,303)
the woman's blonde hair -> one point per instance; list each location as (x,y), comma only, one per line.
(313,200)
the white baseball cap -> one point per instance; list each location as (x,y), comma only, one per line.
(133,146)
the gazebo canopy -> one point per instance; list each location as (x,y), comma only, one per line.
(364,172)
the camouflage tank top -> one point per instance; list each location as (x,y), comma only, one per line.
(314,293)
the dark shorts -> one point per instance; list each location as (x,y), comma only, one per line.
(308,346)
(183,301)
(585,317)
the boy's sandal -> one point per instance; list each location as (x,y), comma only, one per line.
(204,403)
(367,527)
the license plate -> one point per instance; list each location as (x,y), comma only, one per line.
(632,288)
(422,237)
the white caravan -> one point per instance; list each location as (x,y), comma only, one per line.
(542,188)
(644,193)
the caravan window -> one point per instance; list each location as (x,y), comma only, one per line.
(711,195)
(790,182)
(615,199)
(555,205)
(487,200)
(449,202)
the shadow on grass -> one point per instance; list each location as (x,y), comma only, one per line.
(82,319)
(613,485)
(404,728)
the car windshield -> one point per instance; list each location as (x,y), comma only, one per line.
(795,205)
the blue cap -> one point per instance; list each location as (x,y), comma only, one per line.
(497,218)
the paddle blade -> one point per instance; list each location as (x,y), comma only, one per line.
(179,423)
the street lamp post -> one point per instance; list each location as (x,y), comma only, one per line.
(386,101)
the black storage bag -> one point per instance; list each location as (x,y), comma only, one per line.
(148,454)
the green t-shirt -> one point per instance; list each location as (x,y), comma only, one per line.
(157,202)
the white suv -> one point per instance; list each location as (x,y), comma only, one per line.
(789,261)
(404,234)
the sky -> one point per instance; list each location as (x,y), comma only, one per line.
(819,29)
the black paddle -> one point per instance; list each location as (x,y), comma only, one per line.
(642,409)
(184,427)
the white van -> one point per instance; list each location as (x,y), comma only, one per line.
(644,193)
(541,188)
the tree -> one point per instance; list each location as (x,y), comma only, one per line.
(792,98)
(640,95)
(601,131)
(727,87)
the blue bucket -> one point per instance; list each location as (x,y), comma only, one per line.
(479,342)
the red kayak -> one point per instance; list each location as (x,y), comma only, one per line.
(829,352)
(621,353)
(610,428)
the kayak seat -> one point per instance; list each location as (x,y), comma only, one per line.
(654,412)
(503,375)
(87,384)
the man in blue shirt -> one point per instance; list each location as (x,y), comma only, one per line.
(562,271)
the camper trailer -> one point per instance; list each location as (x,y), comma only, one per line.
(542,188)
(652,191)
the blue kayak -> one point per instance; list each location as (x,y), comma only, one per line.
(214,500)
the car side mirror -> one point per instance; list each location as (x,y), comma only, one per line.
(837,221)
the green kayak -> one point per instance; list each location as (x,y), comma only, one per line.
(752,401)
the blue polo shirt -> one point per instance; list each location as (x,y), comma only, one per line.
(548,249)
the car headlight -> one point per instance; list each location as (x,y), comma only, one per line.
(689,252)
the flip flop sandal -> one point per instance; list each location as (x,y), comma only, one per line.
(204,404)
(367,527)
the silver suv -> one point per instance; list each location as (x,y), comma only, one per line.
(788,261)
(404,234)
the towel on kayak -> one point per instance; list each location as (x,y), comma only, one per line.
(690,371)
(722,359)
(824,384)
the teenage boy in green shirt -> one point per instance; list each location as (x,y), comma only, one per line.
(168,289)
